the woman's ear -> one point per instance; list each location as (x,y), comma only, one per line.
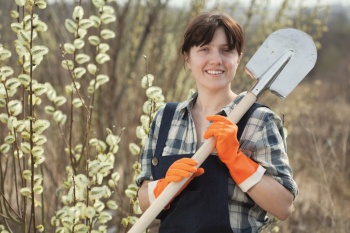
(239,58)
(187,62)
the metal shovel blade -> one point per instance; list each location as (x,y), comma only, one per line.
(283,46)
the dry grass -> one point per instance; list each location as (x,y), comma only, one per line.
(318,145)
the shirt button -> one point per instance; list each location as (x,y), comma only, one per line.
(155,161)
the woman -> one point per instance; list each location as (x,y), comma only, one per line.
(247,175)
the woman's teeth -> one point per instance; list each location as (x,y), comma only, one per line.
(214,71)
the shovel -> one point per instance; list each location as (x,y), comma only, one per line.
(281,62)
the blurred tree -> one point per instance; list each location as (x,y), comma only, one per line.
(154,29)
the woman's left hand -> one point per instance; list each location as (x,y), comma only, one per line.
(243,170)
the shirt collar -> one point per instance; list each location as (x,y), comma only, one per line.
(187,105)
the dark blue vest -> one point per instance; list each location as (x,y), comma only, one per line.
(202,207)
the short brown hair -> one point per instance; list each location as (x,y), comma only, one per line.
(201,29)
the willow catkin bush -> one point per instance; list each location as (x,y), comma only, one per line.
(83,193)
(22,150)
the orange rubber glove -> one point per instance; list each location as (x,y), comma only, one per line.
(244,171)
(179,170)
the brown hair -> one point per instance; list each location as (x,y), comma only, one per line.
(201,29)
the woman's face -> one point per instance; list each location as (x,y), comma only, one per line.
(213,65)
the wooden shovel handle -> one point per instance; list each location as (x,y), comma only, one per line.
(200,156)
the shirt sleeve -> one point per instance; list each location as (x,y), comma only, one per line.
(263,141)
(149,149)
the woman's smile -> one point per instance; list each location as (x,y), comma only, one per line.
(215,72)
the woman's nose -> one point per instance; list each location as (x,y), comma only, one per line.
(215,57)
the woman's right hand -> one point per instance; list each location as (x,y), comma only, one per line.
(179,170)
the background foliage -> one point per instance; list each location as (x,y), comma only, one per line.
(148,35)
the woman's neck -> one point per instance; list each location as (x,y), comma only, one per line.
(210,104)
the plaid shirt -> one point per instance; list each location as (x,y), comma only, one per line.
(262,140)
